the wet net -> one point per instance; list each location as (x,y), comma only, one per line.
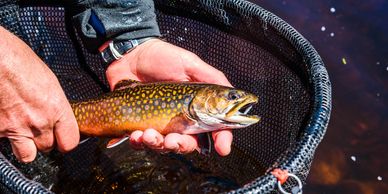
(255,49)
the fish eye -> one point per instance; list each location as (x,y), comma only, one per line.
(233,95)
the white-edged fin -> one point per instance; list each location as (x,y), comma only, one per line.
(204,143)
(116,141)
(84,140)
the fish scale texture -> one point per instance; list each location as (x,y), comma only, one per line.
(255,49)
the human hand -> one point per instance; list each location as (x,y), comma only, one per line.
(34,111)
(156,60)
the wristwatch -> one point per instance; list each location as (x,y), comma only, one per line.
(117,48)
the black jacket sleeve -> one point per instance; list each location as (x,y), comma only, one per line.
(97,21)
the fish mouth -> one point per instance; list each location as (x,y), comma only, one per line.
(238,115)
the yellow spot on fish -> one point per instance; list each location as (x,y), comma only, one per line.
(174,92)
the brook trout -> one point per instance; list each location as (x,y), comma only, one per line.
(186,108)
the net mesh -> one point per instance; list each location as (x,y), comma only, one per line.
(257,51)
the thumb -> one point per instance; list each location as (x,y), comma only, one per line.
(66,131)
(24,148)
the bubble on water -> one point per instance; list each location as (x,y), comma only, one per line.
(353,158)
(379,178)
(344,61)
(332,10)
(323,28)
(332,34)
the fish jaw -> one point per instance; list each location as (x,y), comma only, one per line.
(235,116)
(241,119)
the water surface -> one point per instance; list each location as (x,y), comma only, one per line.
(352,38)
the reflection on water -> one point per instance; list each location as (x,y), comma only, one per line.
(351,37)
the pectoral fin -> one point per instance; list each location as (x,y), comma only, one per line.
(84,140)
(116,141)
(123,84)
(204,143)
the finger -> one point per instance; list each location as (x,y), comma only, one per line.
(223,141)
(66,131)
(153,139)
(180,143)
(136,139)
(118,71)
(200,71)
(45,140)
(23,148)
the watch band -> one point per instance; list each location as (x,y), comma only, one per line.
(117,48)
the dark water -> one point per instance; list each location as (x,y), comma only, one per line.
(95,169)
(352,38)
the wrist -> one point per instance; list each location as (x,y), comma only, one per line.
(126,66)
(115,49)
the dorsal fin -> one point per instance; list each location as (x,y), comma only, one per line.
(123,84)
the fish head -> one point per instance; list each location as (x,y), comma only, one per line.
(218,107)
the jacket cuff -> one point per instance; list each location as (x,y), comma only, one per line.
(98,23)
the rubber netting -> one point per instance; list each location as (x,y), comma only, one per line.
(255,49)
